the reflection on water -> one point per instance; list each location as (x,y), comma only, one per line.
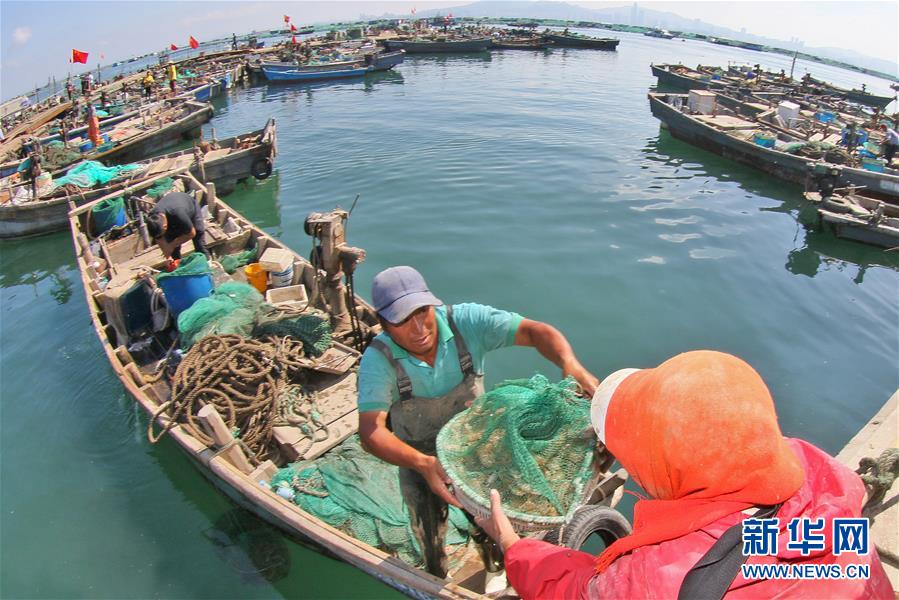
(251,547)
(24,262)
(258,200)
(816,246)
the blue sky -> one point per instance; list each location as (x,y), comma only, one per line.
(36,37)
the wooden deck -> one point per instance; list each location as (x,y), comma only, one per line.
(880,433)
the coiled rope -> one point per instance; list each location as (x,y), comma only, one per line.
(246,380)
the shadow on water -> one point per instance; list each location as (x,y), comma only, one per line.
(291,90)
(29,261)
(674,152)
(252,548)
(258,200)
(816,246)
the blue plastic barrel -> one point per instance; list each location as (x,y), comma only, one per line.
(182,291)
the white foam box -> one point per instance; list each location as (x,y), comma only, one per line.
(788,111)
(291,295)
(276,260)
(701,101)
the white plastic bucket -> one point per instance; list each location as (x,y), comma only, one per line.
(281,278)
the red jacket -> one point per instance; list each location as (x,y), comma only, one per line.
(537,569)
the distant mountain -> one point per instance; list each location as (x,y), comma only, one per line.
(636,15)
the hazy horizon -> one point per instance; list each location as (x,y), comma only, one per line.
(35,47)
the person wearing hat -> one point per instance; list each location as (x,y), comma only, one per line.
(425,367)
(699,434)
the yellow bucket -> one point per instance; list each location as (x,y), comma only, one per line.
(257,276)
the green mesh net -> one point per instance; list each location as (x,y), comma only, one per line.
(359,494)
(194,263)
(106,213)
(160,188)
(232,262)
(525,438)
(231,308)
(238,308)
(90,173)
(310,328)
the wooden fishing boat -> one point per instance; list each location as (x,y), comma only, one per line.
(143,135)
(684,78)
(298,75)
(856,216)
(225,163)
(535,43)
(427,46)
(730,134)
(109,265)
(572,40)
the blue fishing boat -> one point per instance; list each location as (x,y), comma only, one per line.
(313,75)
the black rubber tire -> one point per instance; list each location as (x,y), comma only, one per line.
(261,169)
(607,523)
(837,204)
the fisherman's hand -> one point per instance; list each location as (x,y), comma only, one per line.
(584,378)
(498,525)
(438,480)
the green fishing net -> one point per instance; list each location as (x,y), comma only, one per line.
(194,263)
(105,213)
(310,328)
(161,187)
(90,173)
(232,262)
(525,438)
(359,494)
(231,308)
(238,308)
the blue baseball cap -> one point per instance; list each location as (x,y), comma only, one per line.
(397,292)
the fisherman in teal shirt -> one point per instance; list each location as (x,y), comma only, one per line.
(425,367)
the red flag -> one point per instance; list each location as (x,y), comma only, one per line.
(79,56)
(294,40)
(173,47)
(194,43)
(293,27)
(286,19)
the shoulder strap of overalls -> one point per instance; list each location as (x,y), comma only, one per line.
(403,383)
(465,362)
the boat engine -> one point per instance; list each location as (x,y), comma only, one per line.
(823,178)
(337,259)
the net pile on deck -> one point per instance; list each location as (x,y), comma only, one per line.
(244,358)
(525,438)
(89,173)
(356,492)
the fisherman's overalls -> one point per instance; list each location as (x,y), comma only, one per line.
(417,421)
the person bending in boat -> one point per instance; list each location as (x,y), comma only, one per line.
(699,434)
(425,367)
(174,220)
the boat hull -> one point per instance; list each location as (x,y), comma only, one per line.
(411,47)
(38,218)
(779,164)
(566,41)
(305,76)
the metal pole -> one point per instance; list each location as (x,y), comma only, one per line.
(793,66)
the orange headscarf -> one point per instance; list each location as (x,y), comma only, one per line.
(700,435)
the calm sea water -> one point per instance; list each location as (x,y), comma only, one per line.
(536,182)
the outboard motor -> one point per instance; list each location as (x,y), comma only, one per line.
(337,259)
(823,178)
